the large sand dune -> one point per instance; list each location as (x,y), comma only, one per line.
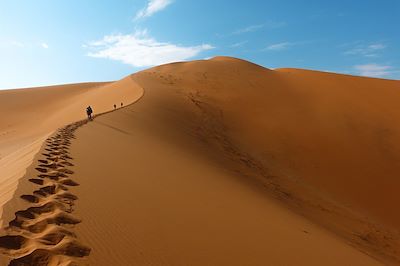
(221,162)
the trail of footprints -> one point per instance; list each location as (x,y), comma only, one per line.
(43,233)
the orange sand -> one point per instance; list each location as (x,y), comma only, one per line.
(221,162)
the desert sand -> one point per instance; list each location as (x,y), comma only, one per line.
(214,162)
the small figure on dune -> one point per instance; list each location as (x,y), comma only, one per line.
(115,106)
(89,112)
(122,104)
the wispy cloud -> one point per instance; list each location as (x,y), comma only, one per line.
(250,28)
(153,6)
(257,27)
(275,24)
(374,70)
(279,46)
(141,50)
(238,44)
(17,44)
(27,45)
(370,50)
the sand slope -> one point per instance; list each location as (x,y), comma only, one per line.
(165,199)
(223,162)
(326,144)
(29,116)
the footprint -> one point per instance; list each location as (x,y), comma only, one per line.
(30,198)
(44,191)
(37,181)
(52,165)
(42,170)
(67,196)
(73,249)
(69,182)
(13,242)
(67,171)
(39,257)
(67,163)
(52,238)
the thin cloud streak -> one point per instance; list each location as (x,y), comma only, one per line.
(257,27)
(279,46)
(153,6)
(374,70)
(238,44)
(371,50)
(251,28)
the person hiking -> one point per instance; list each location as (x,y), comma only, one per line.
(89,112)
(115,106)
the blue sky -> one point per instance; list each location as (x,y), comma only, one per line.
(46,42)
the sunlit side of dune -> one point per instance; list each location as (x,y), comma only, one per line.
(326,144)
(28,116)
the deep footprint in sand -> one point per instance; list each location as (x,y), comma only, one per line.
(42,170)
(12,241)
(69,182)
(30,198)
(36,181)
(39,257)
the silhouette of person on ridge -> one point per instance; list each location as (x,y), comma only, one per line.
(89,112)
(115,106)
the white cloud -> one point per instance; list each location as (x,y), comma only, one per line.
(256,27)
(44,45)
(374,70)
(140,50)
(17,44)
(275,24)
(251,28)
(239,44)
(153,6)
(279,46)
(371,50)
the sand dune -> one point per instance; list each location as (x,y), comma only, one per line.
(221,162)
(31,115)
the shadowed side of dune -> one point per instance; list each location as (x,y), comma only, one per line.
(325,144)
(336,132)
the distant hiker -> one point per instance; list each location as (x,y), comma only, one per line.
(115,106)
(122,104)
(89,112)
